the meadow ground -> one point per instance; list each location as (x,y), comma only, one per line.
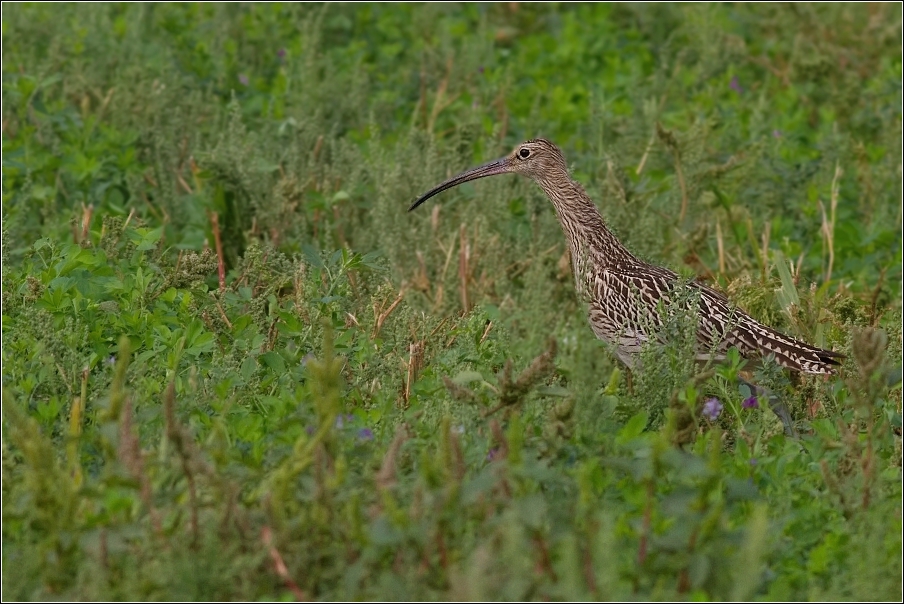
(234,367)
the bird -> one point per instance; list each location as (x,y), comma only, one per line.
(629,299)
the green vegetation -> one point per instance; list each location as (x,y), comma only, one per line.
(234,367)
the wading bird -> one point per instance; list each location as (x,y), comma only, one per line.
(627,296)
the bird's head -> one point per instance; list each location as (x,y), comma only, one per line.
(537,159)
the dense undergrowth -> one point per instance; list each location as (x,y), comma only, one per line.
(234,367)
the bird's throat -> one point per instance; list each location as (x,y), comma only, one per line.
(591,243)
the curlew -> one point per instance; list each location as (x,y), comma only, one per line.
(627,296)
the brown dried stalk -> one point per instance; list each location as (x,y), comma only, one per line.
(221,263)
(279,566)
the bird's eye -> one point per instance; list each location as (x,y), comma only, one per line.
(524,153)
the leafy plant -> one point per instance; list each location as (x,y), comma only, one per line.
(235,368)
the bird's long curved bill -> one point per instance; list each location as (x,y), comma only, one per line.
(500,166)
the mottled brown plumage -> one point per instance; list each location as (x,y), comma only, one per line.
(626,295)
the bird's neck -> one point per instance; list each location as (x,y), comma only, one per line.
(591,243)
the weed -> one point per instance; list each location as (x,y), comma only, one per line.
(235,368)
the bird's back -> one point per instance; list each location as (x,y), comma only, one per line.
(630,302)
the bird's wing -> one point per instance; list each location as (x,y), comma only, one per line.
(632,301)
(624,304)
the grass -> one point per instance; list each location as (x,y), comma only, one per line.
(235,368)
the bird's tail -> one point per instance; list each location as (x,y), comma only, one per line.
(755,338)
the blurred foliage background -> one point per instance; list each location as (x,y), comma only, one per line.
(234,367)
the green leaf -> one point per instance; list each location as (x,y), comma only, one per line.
(634,427)
(787,294)
(147,239)
(554,390)
(274,361)
(201,344)
(312,256)
(466,377)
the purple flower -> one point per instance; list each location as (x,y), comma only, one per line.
(493,454)
(341,420)
(753,462)
(735,85)
(281,53)
(243,79)
(365,434)
(777,133)
(751,402)
(481,69)
(110,360)
(712,408)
